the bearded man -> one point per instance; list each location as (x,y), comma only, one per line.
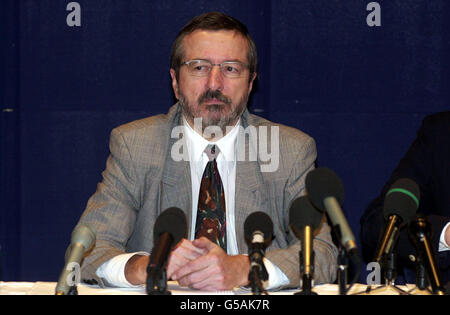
(213,68)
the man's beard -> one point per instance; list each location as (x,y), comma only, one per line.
(192,112)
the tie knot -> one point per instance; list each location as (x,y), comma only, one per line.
(212,151)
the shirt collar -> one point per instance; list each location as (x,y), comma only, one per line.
(197,144)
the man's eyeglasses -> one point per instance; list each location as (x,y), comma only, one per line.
(202,68)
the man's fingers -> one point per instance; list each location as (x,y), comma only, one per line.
(216,271)
(213,282)
(196,265)
(197,252)
(191,279)
(204,243)
(183,253)
(188,245)
(175,262)
(200,278)
(188,252)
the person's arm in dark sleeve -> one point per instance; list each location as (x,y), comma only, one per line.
(417,165)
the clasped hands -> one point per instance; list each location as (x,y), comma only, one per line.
(199,264)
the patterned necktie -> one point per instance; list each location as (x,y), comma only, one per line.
(211,215)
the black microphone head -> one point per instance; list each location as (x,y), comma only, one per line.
(322,183)
(402,199)
(172,221)
(258,221)
(302,213)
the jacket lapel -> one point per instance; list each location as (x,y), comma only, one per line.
(250,196)
(176,188)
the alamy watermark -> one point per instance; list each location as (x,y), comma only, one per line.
(263,143)
(74,276)
(74,17)
(374,17)
(374,276)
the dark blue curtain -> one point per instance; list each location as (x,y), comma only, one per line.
(360,91)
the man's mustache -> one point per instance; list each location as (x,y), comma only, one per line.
(209,95)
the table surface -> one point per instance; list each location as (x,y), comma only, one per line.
(48,288)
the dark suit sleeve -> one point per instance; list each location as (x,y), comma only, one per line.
(419,164)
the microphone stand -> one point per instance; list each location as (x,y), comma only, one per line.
(157,281)
(73,290)
(390,272)
(258,272)
(306,282)
(421,277)
(342,262)
(420,230)
(342,271)
(156,268)
(388,262)
(256,276)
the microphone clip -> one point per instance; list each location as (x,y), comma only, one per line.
(258,272)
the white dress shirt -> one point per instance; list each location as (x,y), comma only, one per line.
(113,271)
(443,246)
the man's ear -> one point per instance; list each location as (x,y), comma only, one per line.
(173,75)
(250,85)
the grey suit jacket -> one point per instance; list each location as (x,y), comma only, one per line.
(142,179)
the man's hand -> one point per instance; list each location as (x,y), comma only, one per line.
(136,269)
(214,271)
(185,251)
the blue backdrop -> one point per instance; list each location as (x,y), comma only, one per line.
(360,91)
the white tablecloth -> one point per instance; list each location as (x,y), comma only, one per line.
(48,288)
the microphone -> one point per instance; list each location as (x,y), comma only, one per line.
(304,219)
(258,231)
(400,206)
(82,240)
(327,193)
(170,227)
(420,231)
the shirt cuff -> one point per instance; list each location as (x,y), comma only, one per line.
(443,246)
(113,271)
(277,278)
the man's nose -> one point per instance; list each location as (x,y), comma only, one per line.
(215,79)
